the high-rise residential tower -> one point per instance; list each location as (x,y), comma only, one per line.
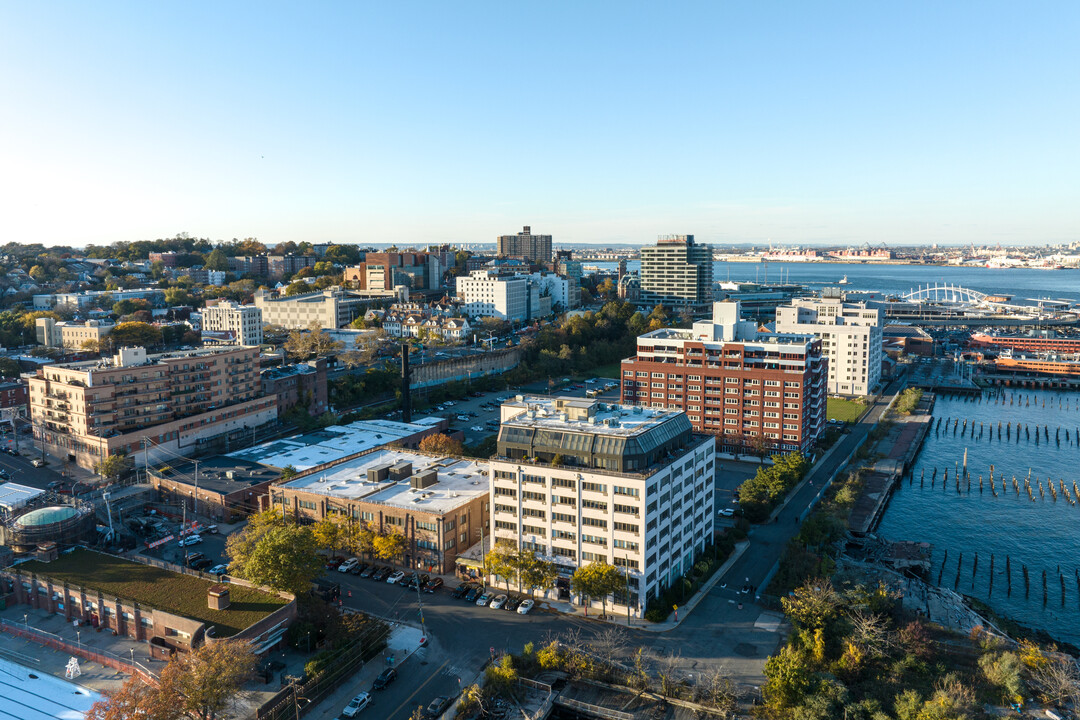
(536,248)
(678,273)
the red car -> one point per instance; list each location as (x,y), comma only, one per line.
(332,563)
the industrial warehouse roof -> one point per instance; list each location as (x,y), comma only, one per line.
(13,495)
(458,481)
(331,444)
(30,694)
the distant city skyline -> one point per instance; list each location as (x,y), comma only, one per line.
(601,123)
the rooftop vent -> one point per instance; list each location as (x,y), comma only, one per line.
(401,470)
(520,398)
(379,473)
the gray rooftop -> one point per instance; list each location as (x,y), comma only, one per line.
(459,481)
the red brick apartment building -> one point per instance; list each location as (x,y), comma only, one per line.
(753,390)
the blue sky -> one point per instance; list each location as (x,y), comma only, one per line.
(823,122)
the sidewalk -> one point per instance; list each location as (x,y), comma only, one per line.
(404,641)
(643,624)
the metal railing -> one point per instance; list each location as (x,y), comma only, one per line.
(101,656)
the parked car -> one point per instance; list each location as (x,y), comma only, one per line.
(473,594)
(437,706)
(8,451)
(348,565)
(358,569)
(219,569)
(383,573)
(525,606)
(477,428)
(37,462)
(461,590)
(369,570)
(190,540)
(192,557)
(433,584)
(334,562)
(484,599)
(396,577)
(357,704)
(463,418)
(511,603)
(386,677)
(497,602)
(201,564)
(726,512)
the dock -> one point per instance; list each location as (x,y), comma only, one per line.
(901,444)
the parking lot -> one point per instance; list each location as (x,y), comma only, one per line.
(478,417)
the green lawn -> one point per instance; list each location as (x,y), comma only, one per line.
(843,410)
(157,588)
(612,371)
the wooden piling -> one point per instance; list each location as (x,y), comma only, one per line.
(1027,582)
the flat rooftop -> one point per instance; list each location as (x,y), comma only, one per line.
(220,473)
(157,588)
(331,444)
(761,338)
(583,415)
(107,363)
(459,481)
(13,495)
(30,694)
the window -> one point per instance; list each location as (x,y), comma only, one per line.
(594,505)
(563,483)
(449,544)
(396,521)
(627,527)
(533,530)
(563,517)
(503,525)
(534,496)
(508,492)
(627,509)
(505,509)
(620,490)
(427,544)
(429,526)
(594,540)
(563,535)
(594,522)
(626,545)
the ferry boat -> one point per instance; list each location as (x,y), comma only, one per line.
(1040,342)
(843,281)
(1046,364)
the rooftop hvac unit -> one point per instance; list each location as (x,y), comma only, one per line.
(520,398)
(637,409)
(401,470)
(564,416)
(425,479)
(591,420)
(379,473)
(230,474)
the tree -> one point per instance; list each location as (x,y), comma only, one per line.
(812,606)
(131,334)
(328,534)
(93,346)
(441,444)
(787,679)
(536,574)
(343,254)
(502,562)
(136,699)
(288,472)
(268,552)
(114,467)
(297,288)
(388,545)
(596,580)
(249,246)
(175,296)
(207,679)
(217,260)
(38,273)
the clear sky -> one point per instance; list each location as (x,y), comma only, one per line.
(412,122)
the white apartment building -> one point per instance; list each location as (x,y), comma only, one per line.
(52,333)
(560,289)
(243,321)
(503,295)
(850,337)
(578,481)
(330,308)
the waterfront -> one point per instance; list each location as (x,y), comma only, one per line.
(1040,533)
(898,279)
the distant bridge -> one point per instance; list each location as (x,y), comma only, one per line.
(945,293)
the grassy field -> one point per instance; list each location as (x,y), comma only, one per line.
(843,410)
(157,588)
(612,371)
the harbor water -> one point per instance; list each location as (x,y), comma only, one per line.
(1014,528)
(895,279)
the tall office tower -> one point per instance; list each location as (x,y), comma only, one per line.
(678,273)
(526,245)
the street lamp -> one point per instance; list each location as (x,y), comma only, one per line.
(132,651)
(78,637)
(26,624)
